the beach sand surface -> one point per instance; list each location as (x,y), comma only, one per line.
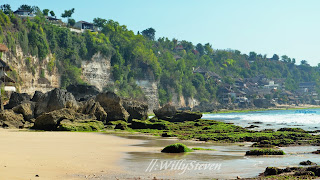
(62,155)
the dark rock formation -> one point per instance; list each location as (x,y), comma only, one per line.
(272,171)
(262,103)
(26,109)
(121,125)
(94,108)
(206,107)
(9,119)
(166,111)
(136,109)
(169,113)
(112,104)
(304,172)
(307,163)
(54,100)
(83,92)
(16,99)
(38,96)
(64,119)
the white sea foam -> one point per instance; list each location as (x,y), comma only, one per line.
(288,117)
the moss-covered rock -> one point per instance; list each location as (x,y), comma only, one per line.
(258,152)
(176,148)
(138,124)
(67,120)
(120,125)
(80,125)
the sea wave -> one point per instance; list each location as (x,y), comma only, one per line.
(289,117)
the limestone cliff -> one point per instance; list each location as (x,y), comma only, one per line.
(150,89)
(33,75)
(182,102)
(31,72)
(97,71)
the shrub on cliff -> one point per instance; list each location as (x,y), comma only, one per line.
(176,148)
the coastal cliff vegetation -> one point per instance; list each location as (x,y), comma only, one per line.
(195,71)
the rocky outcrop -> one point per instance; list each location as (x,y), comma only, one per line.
(262,103)
(169,113)
(94,108)
(206,107)
(63,119)
(26,109)
(112,104)
(16,99)
(38,96)
(83,92)
(136,109)
(54,100)
(166,111)
(9,119)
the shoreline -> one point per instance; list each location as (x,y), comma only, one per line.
(62,155)
(279,107)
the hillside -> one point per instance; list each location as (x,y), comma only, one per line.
(46,54)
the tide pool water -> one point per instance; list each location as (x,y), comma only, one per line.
(273,119)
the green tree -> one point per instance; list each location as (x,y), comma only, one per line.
(208,49)
(67,13)
(71,22)
(275,57)
(52,13)
(25,7)
(46,12)
(149,33)
(304,62)
(200,49)
(99,22)
(6,8)
(252,56)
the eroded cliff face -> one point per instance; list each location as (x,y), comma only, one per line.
(97,71)
(182,102)
(150,89)
(32,73)
(34,76)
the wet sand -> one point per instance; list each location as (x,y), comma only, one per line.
(62,155)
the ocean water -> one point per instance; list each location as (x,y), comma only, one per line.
(273,119)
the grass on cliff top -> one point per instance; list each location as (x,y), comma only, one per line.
(209,130)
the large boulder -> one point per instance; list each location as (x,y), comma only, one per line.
(83,92)
(9,119)
(67,119)
(112,104)
(136,109)
(55,100)
(16,99)
(166,111)
(26,109)
(93,108)
(169,113)
(38,96)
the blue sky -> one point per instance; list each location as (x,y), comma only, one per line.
(284,27)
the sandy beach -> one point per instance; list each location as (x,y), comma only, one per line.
(61,155)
